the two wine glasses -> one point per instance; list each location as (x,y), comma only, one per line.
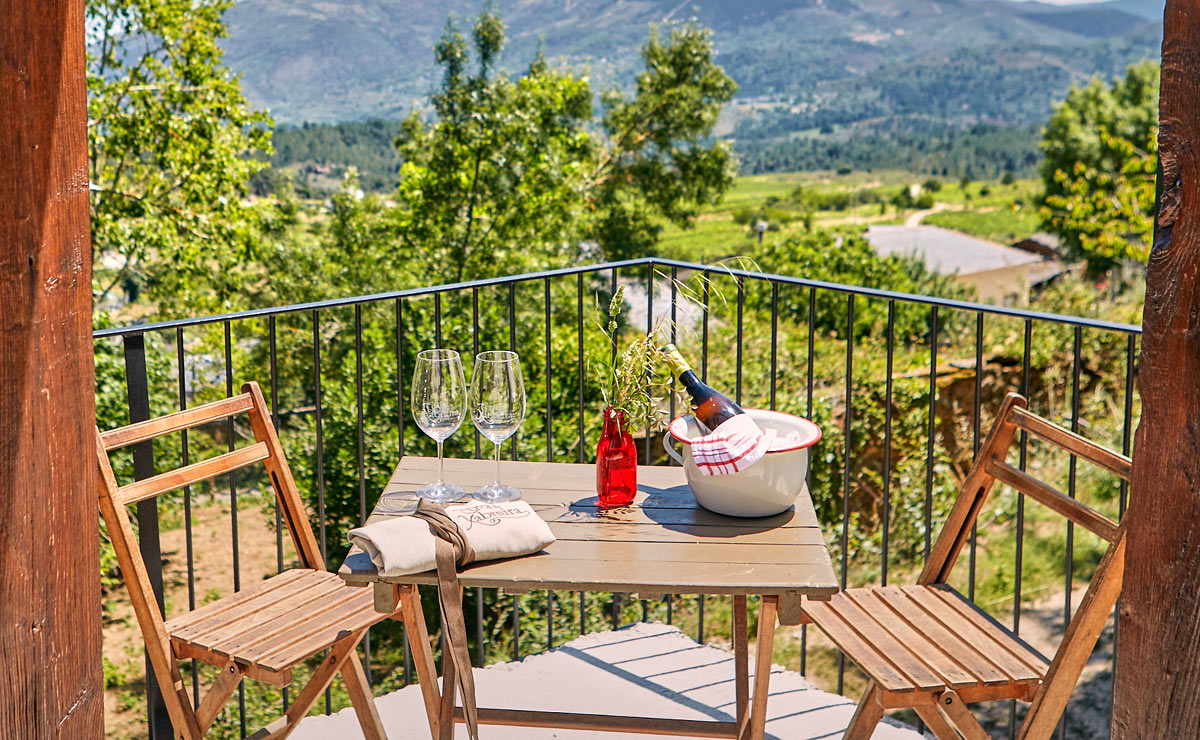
(440,399)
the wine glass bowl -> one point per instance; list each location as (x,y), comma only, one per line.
(497,410)
(439,405)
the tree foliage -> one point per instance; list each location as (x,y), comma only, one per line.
(510,174)
(1100,156)
(169,137)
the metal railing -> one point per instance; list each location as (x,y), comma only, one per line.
(797,306)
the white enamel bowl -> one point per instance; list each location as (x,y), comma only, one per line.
(768,487)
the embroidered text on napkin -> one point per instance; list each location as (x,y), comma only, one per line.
(402,545)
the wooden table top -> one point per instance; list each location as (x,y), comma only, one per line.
(663,544)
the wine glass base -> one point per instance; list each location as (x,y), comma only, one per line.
(441,492)
(497,492)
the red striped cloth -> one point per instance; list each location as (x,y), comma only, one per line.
(732,447)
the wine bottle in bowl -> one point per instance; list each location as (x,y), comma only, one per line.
(710,407)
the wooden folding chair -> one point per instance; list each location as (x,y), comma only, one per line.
(928,648)
(263,631)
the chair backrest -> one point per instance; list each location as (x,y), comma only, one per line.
(114,501)
(990,466)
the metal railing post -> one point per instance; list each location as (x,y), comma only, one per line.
(138,389)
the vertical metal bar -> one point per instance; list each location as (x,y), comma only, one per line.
(358,408)
(549,449)
(400,376)
(582,453)
(275,422)
(613,289)
(233,509)
(706,284)
(362,473)
(774,340)
(674,339)
(649,328)
(512,346)
(516,626)
(1126,439)
(316,322)
(848,433)
(741,298)
(1020,544)
(316,338)
(437,320)
(932,431)
(475,353)
(887,442)
(181,373)
(1071,472)
(480,656)
(229,431)
(138,390)
(704,332)
(549,385)
(975,421)
(1127,425)
(582,614)
(808,409)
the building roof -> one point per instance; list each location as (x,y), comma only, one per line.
(945,251)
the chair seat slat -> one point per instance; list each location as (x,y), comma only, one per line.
(995,644)
(194,473)
(227,603)
(272,620)
(929,625)
(861,651)
(953,672)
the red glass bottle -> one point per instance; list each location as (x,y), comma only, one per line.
(616,462)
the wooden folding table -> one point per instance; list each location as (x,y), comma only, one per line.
(663,544)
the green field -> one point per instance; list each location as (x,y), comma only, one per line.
(987,209)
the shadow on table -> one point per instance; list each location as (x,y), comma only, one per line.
(676,509)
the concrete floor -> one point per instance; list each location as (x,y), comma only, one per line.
(642,670)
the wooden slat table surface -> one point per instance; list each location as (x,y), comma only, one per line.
(664,543)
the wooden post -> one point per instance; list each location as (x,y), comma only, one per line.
(1157,688)
(51,685)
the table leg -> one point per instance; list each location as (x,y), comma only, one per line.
(767,612)
(418,641)
(741,658)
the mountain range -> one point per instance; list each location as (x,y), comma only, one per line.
(803,66)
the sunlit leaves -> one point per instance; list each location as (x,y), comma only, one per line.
(1101,152)
(171,145)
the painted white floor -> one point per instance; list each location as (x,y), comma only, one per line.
(642,670)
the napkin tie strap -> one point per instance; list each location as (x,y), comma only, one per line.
(452,551)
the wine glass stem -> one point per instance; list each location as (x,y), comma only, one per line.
(441,465)
(497,463)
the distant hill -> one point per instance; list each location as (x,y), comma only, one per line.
(800,63)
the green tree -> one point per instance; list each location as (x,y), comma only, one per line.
(170,142)
(657,161)
(511,175)
(1100,156)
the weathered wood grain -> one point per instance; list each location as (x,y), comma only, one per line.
(51,685)
(1158,655)
(664,543)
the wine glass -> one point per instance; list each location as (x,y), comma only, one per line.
(439,405)
(497,408)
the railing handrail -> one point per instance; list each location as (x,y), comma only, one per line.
(121,331)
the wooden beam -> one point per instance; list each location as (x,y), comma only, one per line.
(51,685)
(1157,675)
